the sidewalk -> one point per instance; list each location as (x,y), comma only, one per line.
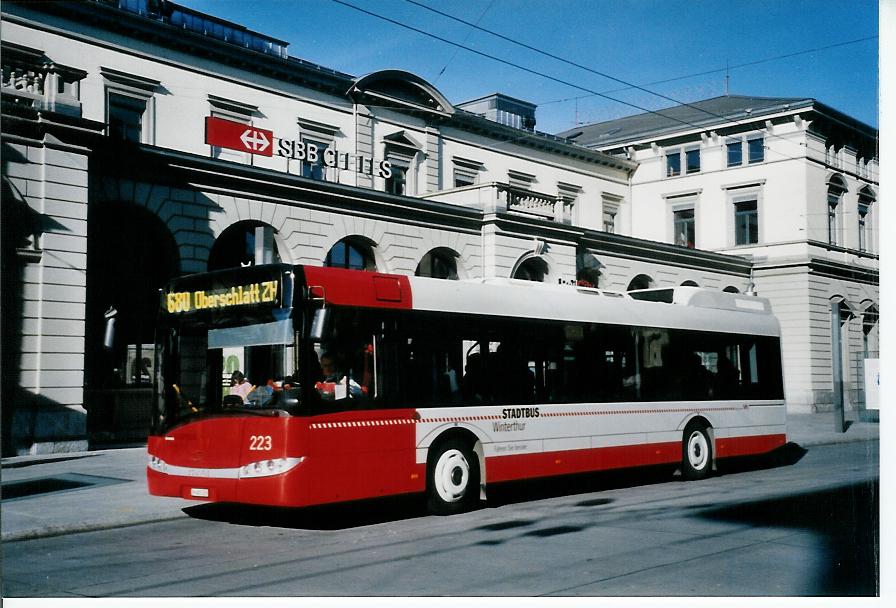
(107,488)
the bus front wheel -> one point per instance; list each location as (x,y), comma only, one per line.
(452,480)
(696,447)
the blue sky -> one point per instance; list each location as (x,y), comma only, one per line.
(638,41)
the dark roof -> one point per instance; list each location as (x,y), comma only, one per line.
(682,117)
(280,66)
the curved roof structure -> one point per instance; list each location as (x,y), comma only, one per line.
(407,90)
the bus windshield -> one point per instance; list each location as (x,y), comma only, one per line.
(225,369)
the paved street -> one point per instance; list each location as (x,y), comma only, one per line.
(802,524)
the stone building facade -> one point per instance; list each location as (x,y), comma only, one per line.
(143,140)
(790,184)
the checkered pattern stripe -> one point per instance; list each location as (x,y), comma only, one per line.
(450,419)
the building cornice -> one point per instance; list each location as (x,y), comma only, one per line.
(121,22)
(643,250)
(183,170)
(294,71)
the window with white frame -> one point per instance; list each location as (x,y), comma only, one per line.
(316,138)
(233,111)
(126,117)
(753,143)
(130,106)
(403,154)
(673,163)
(518,179)
(692,159)
(568,195)
(689,155)
(466,171)
(610,211)
(755,149)
(464,177)
(683,217)
(866,201)
(313,166)
(684,227)
(735,150)
(397,182)
(836,189)
(833,206)
(746,222)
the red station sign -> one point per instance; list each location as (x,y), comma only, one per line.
(238,136)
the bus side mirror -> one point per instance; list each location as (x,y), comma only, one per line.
(109,333)
(319,324)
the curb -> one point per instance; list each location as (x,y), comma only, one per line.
(78,528)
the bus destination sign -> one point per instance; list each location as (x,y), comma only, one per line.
(250,294)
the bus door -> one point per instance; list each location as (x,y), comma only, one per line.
(361,439)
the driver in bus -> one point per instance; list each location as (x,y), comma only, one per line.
(335,384)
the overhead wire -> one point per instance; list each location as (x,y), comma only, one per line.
(628,85)
(498,59)
(727,68)
(548,76)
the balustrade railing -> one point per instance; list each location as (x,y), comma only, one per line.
(492,197)
(30,78)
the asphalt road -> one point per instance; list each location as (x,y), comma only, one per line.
(803,523)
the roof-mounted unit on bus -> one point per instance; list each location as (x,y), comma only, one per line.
(546,286)
(703,298)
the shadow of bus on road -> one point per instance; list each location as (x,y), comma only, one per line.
(354,514)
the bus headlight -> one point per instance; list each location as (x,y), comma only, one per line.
(266,468)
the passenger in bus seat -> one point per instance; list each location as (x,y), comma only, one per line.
(726,380)
(240,385)
(261,395)
(472,385)
(515,379)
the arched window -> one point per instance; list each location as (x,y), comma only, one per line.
(532,269)
(354,253)
(690,284)
(238,243)
(438,264)
(731,289)
(836,189)
(869,332)
(866,202)
(642,281)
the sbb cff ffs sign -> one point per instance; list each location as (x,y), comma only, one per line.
(246,138)
(238,136)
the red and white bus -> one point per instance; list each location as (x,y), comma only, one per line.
(363,384)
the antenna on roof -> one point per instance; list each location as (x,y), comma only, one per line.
(727,79)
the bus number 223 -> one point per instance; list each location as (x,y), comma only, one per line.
(260,442)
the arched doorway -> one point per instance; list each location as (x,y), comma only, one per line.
(352,252)
(642,281)
(532,269)
(440,263)
(131,254)
(242,244)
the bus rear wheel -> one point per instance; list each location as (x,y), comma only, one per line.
(696,460)
(452,479)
